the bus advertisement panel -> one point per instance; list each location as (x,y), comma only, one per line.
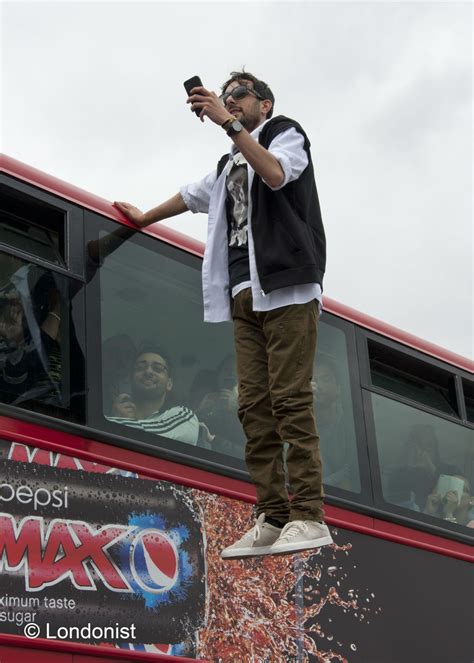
(90,553)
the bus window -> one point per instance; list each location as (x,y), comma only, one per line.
(335,410)
(165,373)
(412,378)
(426,462)
(32,226)
(41,366)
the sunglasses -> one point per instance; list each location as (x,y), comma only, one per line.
(239,92)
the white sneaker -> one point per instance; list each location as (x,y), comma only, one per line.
(301,535)
(256,541)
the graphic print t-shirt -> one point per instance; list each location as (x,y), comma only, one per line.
(237,221)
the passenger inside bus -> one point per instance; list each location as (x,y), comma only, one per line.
(451,500)
(30,334)
(150,405)
(416,477)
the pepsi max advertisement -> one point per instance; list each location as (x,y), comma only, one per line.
(97,556)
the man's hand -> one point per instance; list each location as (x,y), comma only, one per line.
(450,503)
(135,215)
(209,104)
(166,210)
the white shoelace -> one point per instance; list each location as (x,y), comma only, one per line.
(257,531)
(293,528)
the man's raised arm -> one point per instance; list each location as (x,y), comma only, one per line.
(169,208)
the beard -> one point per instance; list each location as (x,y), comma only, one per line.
(141,394)
(250,119)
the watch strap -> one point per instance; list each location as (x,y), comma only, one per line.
(225,125)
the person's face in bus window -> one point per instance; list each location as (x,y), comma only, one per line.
(151,377)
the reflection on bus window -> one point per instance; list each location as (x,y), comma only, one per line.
(33,307)
(426,462)
(188,391)
(334,410)
(30,321)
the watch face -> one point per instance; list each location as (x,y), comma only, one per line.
(234,128)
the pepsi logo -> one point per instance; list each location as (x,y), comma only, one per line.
(154,561)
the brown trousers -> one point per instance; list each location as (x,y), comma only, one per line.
(275,355)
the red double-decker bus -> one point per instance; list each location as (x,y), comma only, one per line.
(111,527)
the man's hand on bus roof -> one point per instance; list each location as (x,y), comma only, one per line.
(169,208)
(132,213)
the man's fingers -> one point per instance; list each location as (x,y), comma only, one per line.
(124,207)
(196,98)
(200,90)
(201,96)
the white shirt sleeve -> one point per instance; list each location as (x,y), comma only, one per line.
(198,194)
(288,148)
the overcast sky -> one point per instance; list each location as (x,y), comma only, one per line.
(92,93)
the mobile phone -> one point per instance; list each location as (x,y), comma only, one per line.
(195,81)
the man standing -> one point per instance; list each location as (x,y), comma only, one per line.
(263,267)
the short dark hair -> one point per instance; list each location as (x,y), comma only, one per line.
(260,87)
(152,348)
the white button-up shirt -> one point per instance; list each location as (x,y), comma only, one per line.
(209,196)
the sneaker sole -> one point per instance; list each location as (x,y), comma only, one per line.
(242,553)
(285,548)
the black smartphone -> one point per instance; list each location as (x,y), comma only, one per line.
(195,81)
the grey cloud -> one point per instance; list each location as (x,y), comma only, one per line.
(424,106)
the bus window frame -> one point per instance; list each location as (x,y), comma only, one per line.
(384,509)
(73,230)
(73,272)
(363,336)
(167,448)
(392,512)
(339,496)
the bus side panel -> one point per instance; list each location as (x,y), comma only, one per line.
(23,655)
(86,546)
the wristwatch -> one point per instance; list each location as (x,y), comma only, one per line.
(235,128)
